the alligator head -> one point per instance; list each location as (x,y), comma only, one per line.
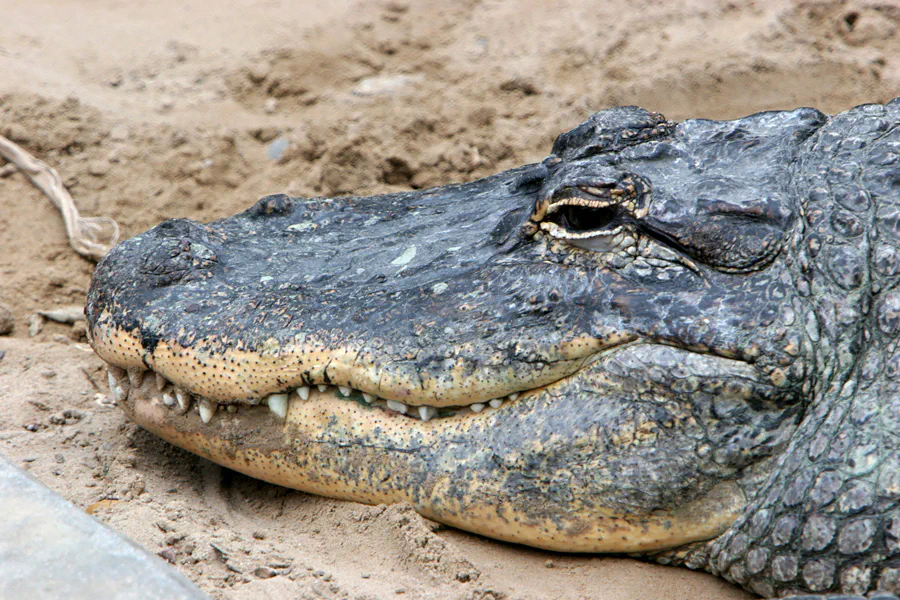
(641,344)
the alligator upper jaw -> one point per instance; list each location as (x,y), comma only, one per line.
(236,376)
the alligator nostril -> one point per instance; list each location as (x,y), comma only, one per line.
(177,250)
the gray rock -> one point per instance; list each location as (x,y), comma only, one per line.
(50,549)
(275,150)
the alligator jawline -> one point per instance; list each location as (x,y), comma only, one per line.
(181,401)
(165,393)
(246,378)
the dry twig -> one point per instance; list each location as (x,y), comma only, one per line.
(85,233)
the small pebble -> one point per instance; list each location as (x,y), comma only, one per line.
(275,150)
(257,73)
(98,168)
(168,554)
(266,134)
(265,572)
(278,563)
(7,320)
(35,325)
(384,85)
(67,417)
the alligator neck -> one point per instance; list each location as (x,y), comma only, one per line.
(828,517)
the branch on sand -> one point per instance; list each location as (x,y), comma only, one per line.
(91,237)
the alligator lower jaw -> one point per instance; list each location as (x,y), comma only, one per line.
(446,468)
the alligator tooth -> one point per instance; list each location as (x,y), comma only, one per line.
(496,402)
(168,400)
(207,410)
(111,380)
(136,376)
(397,406)
(278,404)
(477,407)
(303,392)
(369,398)
(115,388)
(344,390)
(426,412)
(513,396)
(160,382)
(322,387)
(183,399)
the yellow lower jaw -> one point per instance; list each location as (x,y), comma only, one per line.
(339,449)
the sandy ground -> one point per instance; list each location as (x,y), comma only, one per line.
(195,108)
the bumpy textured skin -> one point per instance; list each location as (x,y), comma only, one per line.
(726,373)
(828,517)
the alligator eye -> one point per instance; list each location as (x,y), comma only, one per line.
(578,219)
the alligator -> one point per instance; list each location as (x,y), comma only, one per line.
(676,340)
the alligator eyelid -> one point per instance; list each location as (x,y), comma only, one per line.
(672,244)
(662,237)
(676,246)
(561,233)
(556,207)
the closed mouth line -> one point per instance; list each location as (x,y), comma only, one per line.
(179,400)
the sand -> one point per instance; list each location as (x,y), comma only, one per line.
(195,108)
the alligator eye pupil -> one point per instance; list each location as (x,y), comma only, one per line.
(586,218)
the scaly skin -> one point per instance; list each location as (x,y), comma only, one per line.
(688,333)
